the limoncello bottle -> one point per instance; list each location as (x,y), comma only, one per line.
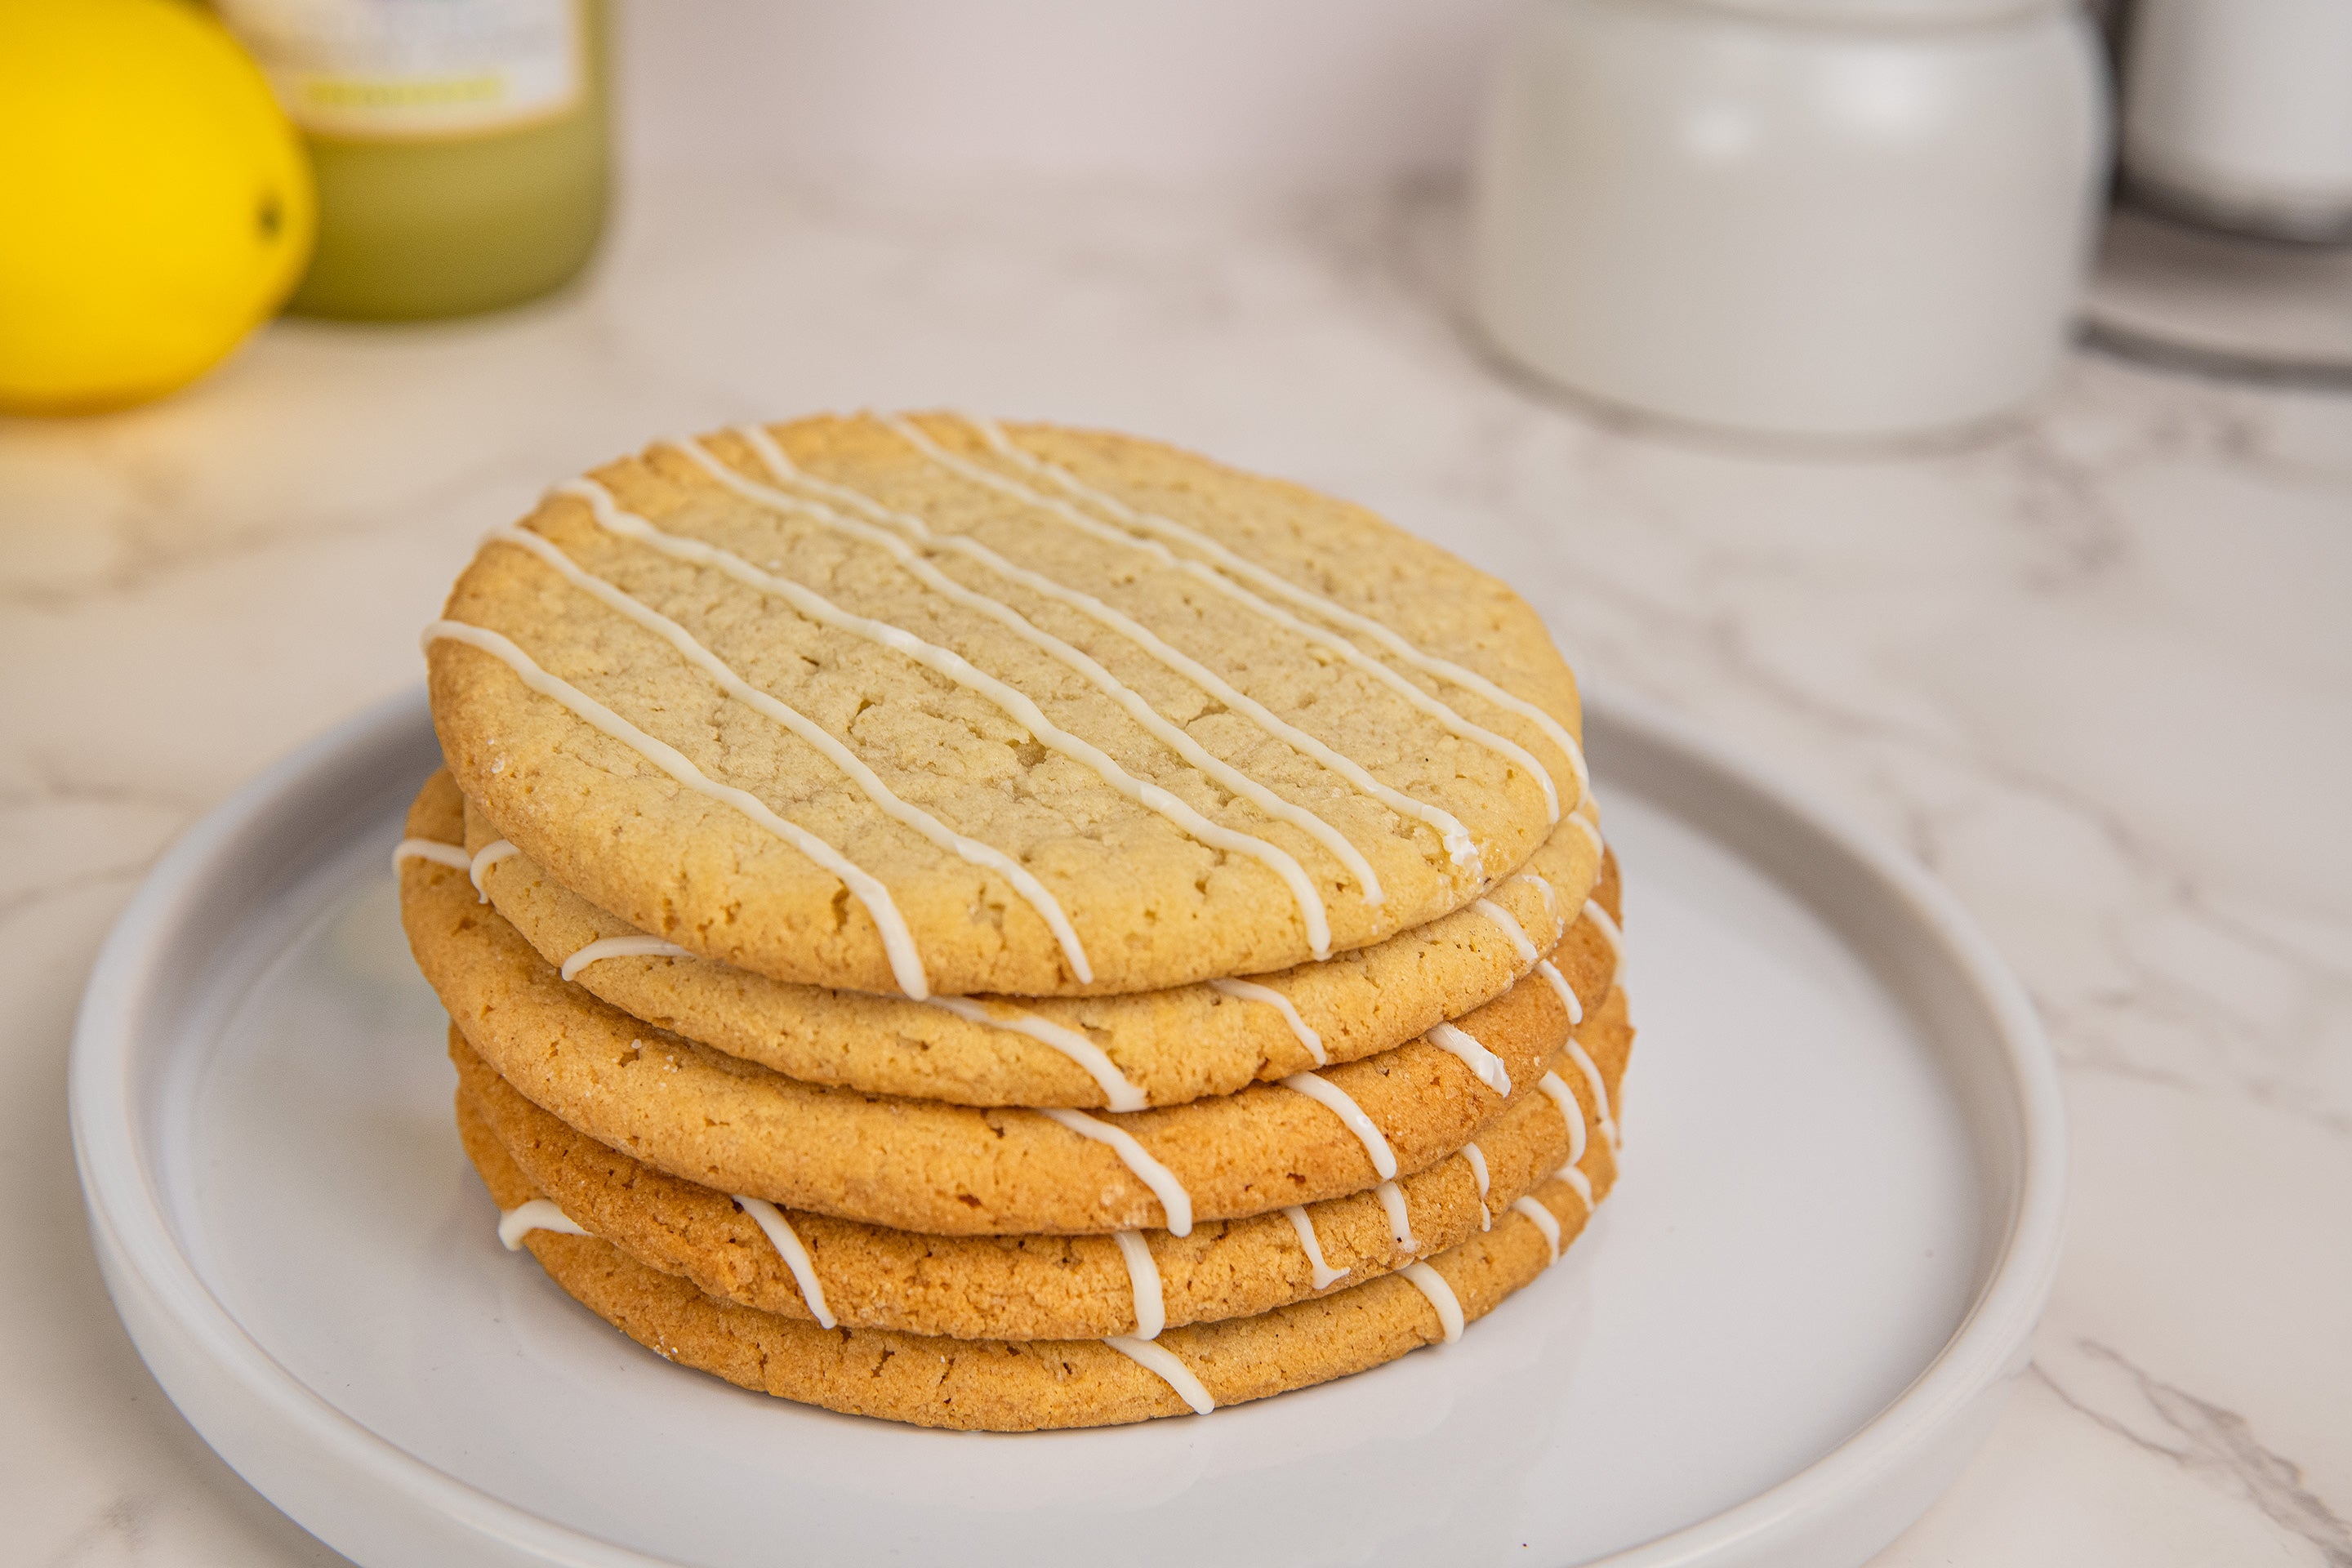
(461,146)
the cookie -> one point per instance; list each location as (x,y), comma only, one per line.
(1014,1385)
(957,1170)
(932,707)
(1116,1053)
(1023,1287)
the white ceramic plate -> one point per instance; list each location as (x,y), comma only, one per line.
(1780,1340)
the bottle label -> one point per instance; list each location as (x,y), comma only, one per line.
(401,70)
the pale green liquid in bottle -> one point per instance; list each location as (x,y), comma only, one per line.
(414,229)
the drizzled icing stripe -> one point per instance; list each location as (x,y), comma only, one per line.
(1159,1360)
(1392,1198)
(540,1214)
(452,856)
(1512,930)
(1475,1056)
(1432,1284)
(1543,885)
(1250,991)
(1330,1096)
(1174,1201)
(1566,992)
(488,855)
(1118,1093)
(1477,1158)
(1608,929)
(1143,1279)
(605,947)
(1304,1223)
(891,804)
(1306,598)
(1600,845)
(1557,1086)
(787,1243)
(1129,701)
(1599,1086)
(1421,700)
(956,667)
(1545,1221)
(1565,1098)
(898,942)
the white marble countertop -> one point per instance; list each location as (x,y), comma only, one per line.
(2097,672)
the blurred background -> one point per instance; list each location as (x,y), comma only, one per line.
(1821,218)
(1310,93)
(1952,399)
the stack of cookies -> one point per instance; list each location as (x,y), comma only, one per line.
(1004,927)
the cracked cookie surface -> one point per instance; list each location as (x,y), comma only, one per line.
(940,706)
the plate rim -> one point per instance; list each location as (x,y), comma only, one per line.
(1991,1344)
(158,1292)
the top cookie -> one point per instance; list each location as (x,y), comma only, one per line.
(934,706)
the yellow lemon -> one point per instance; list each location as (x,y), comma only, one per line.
(155,206)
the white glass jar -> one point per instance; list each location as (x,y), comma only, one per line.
(2239,113)
(1837,218)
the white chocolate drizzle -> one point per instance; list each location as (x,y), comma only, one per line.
(1174,1201)
(1543,885)
(1485,1064)
(946,662)
(1250,991)
(787,1243)
(1477,1158)
(1143,1279)
(1599,1086)
(452,856)
(1545,1221)
(1609,931)
(1566,992)
(1449,718)
(971,850)
(1570,1173)
(1118,1092)
(605,947)
(1304,1223)
(540,1214)
(898,942)
(1565,1098)
(1330,1096)
(1392,1198)
(1130,701)
(1432,1284)
(1600,845)
(1306,598)
(1161,1362)
(488,855)
(1512,931)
